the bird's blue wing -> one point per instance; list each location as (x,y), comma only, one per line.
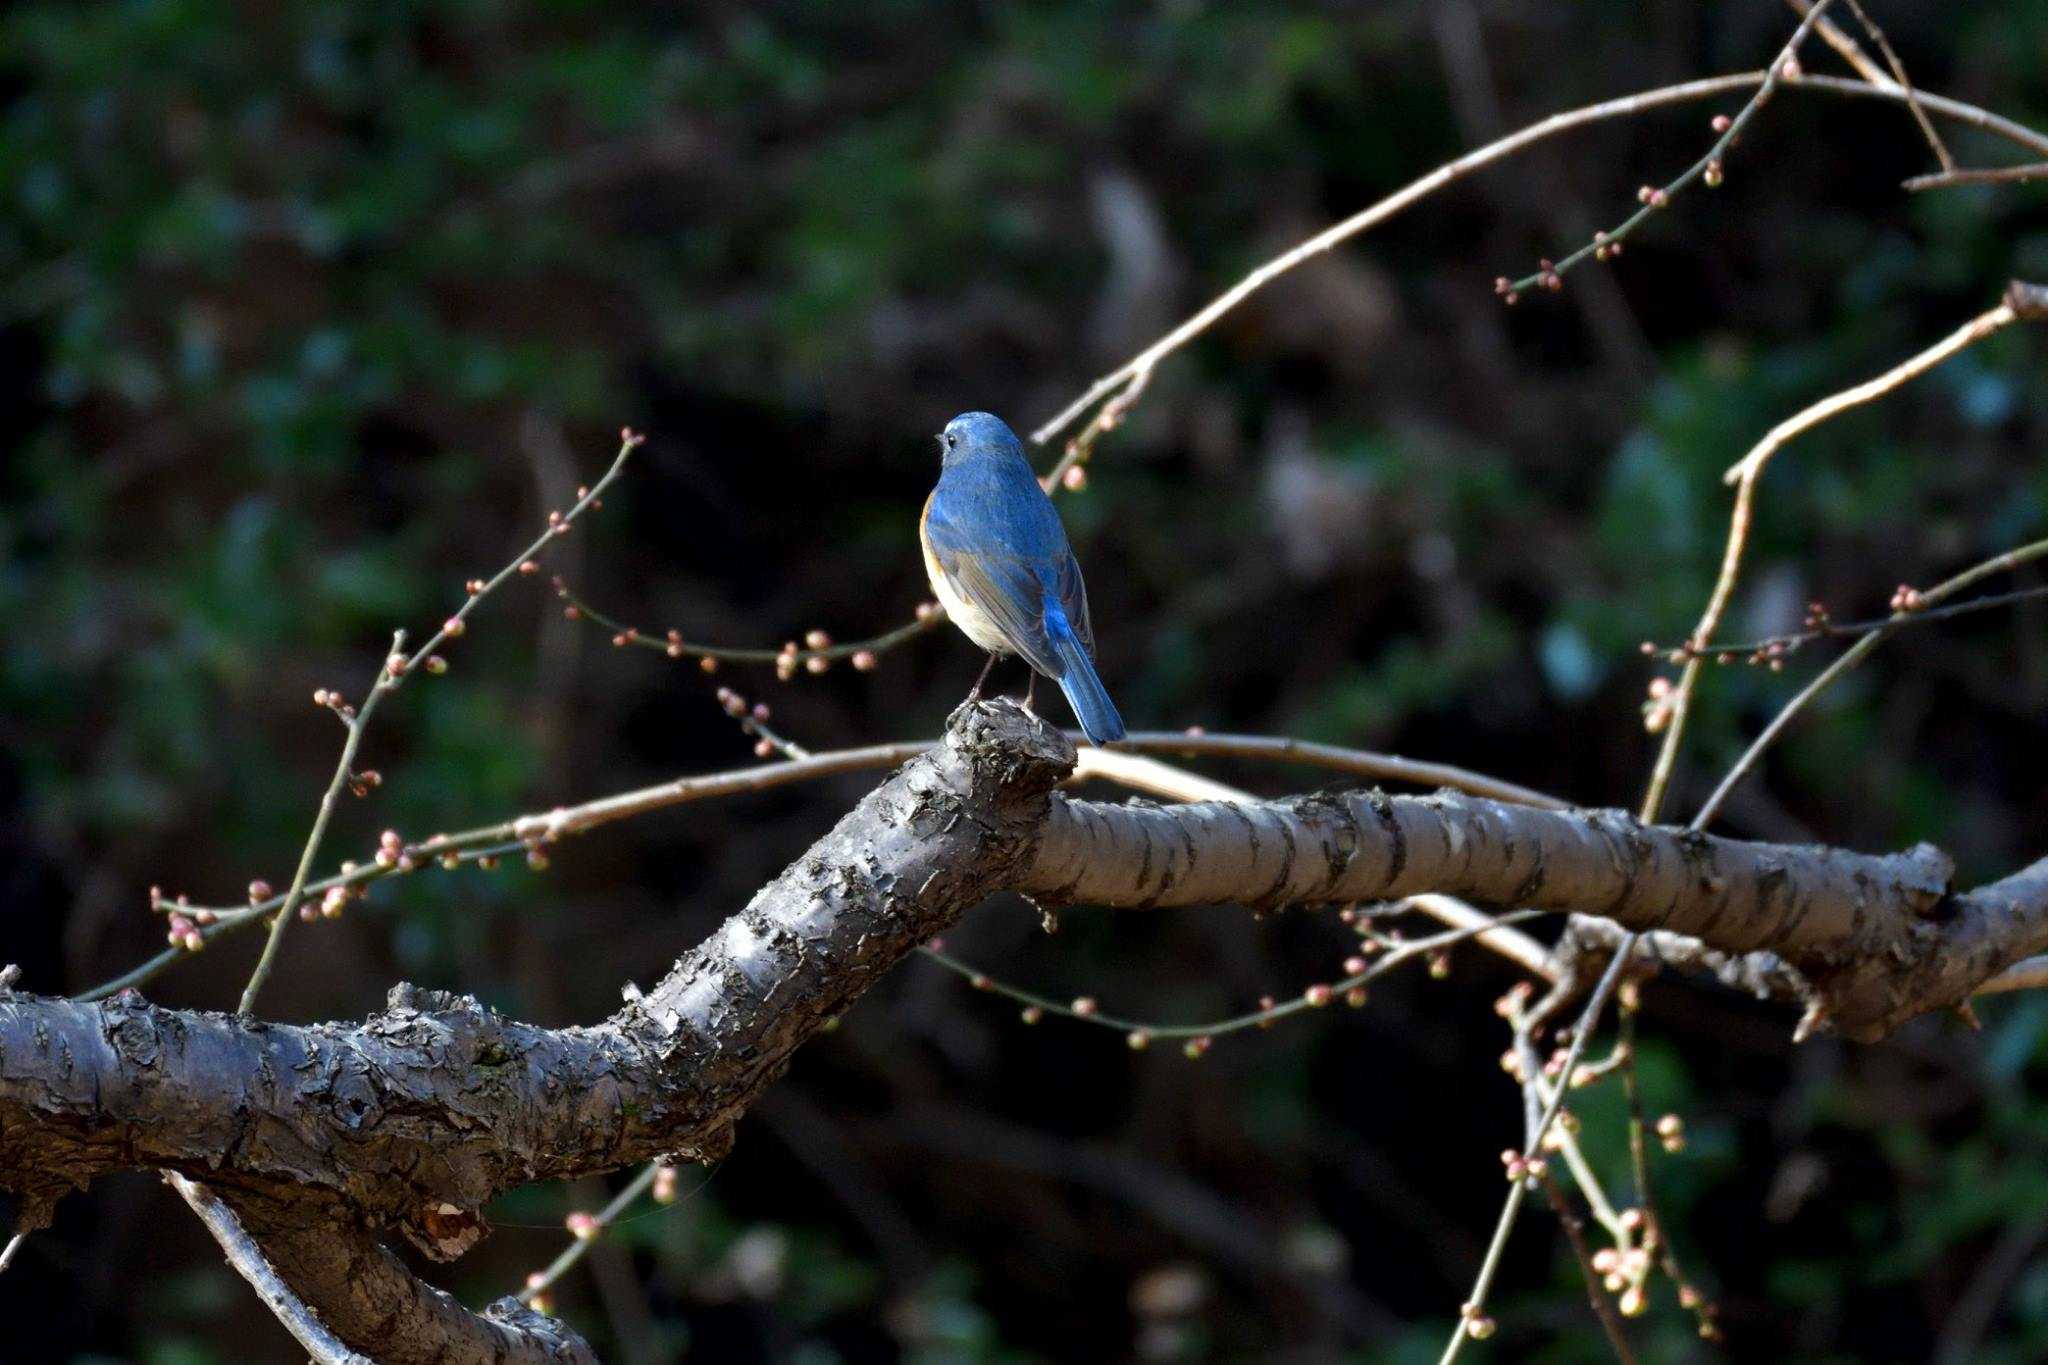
(985,569)
(1073,598)
(1008,590)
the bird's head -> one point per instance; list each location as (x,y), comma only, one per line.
(974,435)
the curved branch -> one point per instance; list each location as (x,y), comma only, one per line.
(1141,365)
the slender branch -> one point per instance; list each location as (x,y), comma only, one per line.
(1317,996)
(1999,175)
(1511,1208)
(1656,198)
(587,1233)
(1575,1233)
(1969,334)
(251,1264)
(1772,648)
(485,844)
(1646,1198)
(1927,128)
(1852,52)
(343,768)
(1107,418)
(817,654)
(1491,931)
(1627,106)
(391,675)
(1856,654)
(1357,762)
(1675,708)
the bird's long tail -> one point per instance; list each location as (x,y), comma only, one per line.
(1085,692)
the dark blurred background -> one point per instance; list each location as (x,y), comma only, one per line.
(312,310)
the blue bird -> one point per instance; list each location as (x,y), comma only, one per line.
(1000,563)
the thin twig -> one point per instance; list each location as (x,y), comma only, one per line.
(1655,198)
(1315,997)
(1855,655)
(1969,334)
(1846,47)
(1646,1199)
(1358,762)
(2001,175)
(1744,474)
(1575,1233)
(1518,1189)
(1107,418)
(329,799)
(1451,172)
(391,675)
(541,1281)
(1941,152)
(788,659)
(1852,52)
(250,1262)
(1828,629)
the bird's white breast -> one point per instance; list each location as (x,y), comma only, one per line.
(974,623)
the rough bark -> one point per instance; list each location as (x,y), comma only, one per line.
(321,1137)
(324,1138)
(1876,938)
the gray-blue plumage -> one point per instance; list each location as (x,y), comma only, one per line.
(999,560)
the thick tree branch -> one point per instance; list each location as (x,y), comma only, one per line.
(368,1297)
(322,1138)
(1878,938)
